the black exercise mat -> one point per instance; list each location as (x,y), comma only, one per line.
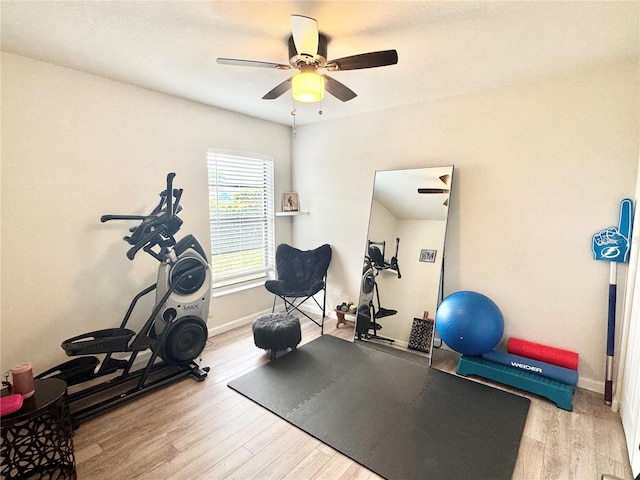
(398,418)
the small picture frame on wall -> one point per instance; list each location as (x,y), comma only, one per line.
(290,202)
(428,255)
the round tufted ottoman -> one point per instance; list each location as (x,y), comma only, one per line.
(276,331)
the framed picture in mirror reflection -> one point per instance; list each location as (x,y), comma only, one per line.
(428,255)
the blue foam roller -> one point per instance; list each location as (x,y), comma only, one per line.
(560,374)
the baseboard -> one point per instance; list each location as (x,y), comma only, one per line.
(592,385)
(402,343)
(585,383)
(220,329)
(312,308)
(141,361)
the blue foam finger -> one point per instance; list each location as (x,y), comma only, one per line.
(612,244)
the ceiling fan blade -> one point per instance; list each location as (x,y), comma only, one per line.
(304,31)
(338,90)
(433,190)
(364,60)
(252,63)
(446,179)
(278,90)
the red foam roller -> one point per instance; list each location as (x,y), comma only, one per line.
(544,353)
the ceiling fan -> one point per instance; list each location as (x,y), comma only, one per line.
(308,54)
(446,179)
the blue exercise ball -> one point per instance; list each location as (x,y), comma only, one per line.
(469,323)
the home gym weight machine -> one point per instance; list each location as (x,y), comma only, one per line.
(175,332)
(367,313)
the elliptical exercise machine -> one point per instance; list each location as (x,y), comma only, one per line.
(175,331)
(367,313)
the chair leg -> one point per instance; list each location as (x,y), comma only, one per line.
(290,306)
(324,306)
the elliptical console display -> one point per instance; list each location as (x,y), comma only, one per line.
(175,333)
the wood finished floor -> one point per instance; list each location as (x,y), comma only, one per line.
(204,430)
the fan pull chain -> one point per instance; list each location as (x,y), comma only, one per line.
(293,114)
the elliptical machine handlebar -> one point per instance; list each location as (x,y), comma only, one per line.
(375,257)
(146,242)
(169,194)
(106,218)
(394,260)
(157,228)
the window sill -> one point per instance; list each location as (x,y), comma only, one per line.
(231,289)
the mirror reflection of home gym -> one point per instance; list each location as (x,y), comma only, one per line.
(401,278)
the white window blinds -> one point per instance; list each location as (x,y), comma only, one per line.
(242,217)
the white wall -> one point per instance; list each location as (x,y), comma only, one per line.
(76,146)
(539,168)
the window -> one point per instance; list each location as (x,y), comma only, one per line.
(242,218)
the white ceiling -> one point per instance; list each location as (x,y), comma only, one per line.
(444,48)
(397,191)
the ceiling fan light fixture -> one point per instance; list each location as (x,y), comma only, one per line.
(307,87)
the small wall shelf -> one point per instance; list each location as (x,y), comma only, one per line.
(290,214)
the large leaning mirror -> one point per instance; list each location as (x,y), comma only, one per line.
(401,278)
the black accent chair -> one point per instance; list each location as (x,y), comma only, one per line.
(301,275)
